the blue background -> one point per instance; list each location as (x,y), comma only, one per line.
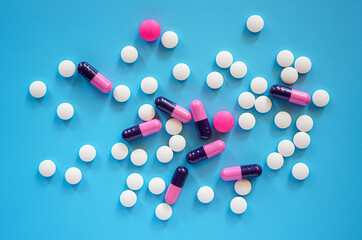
(36,35)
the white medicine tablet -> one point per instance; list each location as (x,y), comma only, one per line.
(301,140)
(275,161)
(255,23)
(156,185)
(87,153)
(246,121)
(169,39)
(121,93)
(66,68)
(286,148)
(139,157)
(129,54)
(246,100)
(300,171)
(65,111)
(205,194)
(263,104)
(282,120)
(303,65)
(37,89)
(285,58)
(242,187)
(258,85)
(149,85)
(173,126)
(119,151)
(177,143)
(238,205)
(73,175)
(289,75)
(128,198)
(304,123)
(146,112)
(164,154)
(214,80)
(47,168)
(181,71)
(320,98)
(134,181)
(238,69)
(163,211)
(224,59)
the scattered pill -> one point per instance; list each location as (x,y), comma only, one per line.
(146,112)
(320,98)
(149,85)
(94,77)
(246,100)
(156,185)
(247,121)
(177,143)
(258,85)
(173,126)
(300,171)
(65,111)
(87,153)
(66,68)
(128,198)
(263,104)
(150,30)
(223,121)
(275,161)
(289,75)
(129,54)
(37,89)
(241,172)
(163,211)
(286,148)
(121,93)
(242,187)
(289,95)
(238,69)
(141,130)
(181,71)
(285,58)
(139,157)
(173,109)
(205,152)
(47,168)
(201,121)
(304,123)
(224,59)
(282,120)
(205,194)
(73,175)
(169,39)
(164,154)
(119,151)
(214,80)
(303,65)
(238,205)
(177,182)
(134,181)
(301,140)
(255,23)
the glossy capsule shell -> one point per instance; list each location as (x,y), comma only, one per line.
(205,152)
(177,182)
(241,172)
(172,109)
(201,121)
(141,130)
(289,95)
(94,77)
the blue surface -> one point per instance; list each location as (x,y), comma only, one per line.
(36,35)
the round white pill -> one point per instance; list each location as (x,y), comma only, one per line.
(146,112)
(275,161)
(129,54)
(258,85)
(164,154)
(73,175)
(169,39)
(156,185)
(205,194)
(173,126)
(65,111)
(177,143)
(224,59)
(301,140)
(300,171)
(289,75)
(128,198)
(87,153)
(246,121)
(246,100)
(255,23)
(304,123)
(238,205)
(134,181)
(37,89)
(163,211)
(121,93)
(242,187)
(47,168)
(149,85)
(286,148)
(214,80)
(119,151)
(263,104)
(282,120)
(139,157)
(238,69)
(181,71)
(66,68)
(303,65)
(320,98)
(285,58)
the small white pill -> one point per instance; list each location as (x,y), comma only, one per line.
(177,143)
(66,68)
(146,112)
(304,123)
(246,100)
(121,93)
(37,89)
(156,185)
(173,126)
(247,121)
(238,205)
(282,120)
(149,85)
(224,59)
(263,104)
(47,168)
(164,154)
(301,140)
(300,171)
(242,187)
(289,75)
(255,23)
(128,198)
(181,71)
(205,194)
(320,98)
(139,157)
(285,58)
(169,39)
(119,151)
(286,148)
(303,65)
(134,181)
(275,161)
(73,175)
(65,111)
(129,54)
(87,153)
(238,69)
(163,211)
(258,85)
(214,80)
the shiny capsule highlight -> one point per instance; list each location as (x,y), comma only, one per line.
(201,121)
(177,182)
(172,109)
(205,152)
(241,172)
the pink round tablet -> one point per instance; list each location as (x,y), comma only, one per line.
(223,121)
(150,30)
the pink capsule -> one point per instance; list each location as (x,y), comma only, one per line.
(94,77)
(201,122)
(172,109)
(177,182)
(241,172)
(141,130)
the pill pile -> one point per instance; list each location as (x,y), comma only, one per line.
(223,122)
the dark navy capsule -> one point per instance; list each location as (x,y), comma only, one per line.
(177,182)
(141,130)
(289,95)
(172,109)
(205,152)
(241,172)
(94,77)
(201,122)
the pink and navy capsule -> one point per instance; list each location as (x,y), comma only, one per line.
(177,182)
(205,152)
(141,130)
(241,172)
(289,95)
(173,109)
(201,122)
(94,77)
